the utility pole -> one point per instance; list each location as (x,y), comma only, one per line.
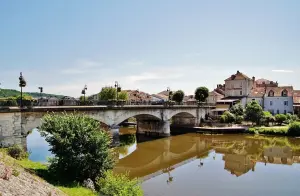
(41,91)
(22,83)
(84,92)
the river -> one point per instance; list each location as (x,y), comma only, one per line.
(206,165)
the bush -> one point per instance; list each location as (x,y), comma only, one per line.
(269,130)
(223,119)
(81,148)
(280,118)
(294,129)
(230,118)
(118,185)
(17,152)
(239,119)
(8,102)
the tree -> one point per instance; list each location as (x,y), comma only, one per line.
(123,95)
(254,112)
(178,96)
(280,118)
(227,117)
(237,110)
(81,148)
(107,93)
(201,94)
(268,117)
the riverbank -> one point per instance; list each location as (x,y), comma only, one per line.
(25,177)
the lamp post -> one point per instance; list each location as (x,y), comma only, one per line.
(41,91)
(22,83)
(169,91)
(84,92)
(117,86)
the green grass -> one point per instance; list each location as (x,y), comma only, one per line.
(41,170)
(77,191)
(278,130)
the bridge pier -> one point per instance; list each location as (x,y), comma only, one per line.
(161,128)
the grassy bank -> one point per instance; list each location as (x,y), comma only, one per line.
(276,130)
(41,171)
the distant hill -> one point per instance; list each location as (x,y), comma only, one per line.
(14,93)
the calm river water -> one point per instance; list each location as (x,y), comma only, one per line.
(205,165)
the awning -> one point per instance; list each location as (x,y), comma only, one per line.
(227,101)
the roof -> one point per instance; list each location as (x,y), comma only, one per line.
(278,90)
(160,96)
(214,92)
(296,96)
(257,92)
(136,95)
(238,76)
(227,100)
(166,93)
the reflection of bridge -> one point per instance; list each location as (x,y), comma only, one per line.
(240,154)
(14,123)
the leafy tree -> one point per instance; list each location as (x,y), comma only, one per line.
(239,119)
(201,94)
(81,148)
(254,112)
(118,185)
(178,96)
(237,109)
(294,129)
(227,117)
(280,118)
(108,93)
(123,95)
(268,117)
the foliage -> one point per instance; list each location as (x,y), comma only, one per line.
(77,191)
(81,148)
(178,96)
(17,152)
(123,95)
(201,94)
(237,109)
(269,130)
(268,117)
(280,118)
(227,117)
(15,173)
(14,93)
(239,119)
(118,185)
(294,129)
(10,101)
(107,93)
(254,112)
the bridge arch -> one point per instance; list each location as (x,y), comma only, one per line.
(121,116)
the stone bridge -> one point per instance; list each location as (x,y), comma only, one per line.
(16,123)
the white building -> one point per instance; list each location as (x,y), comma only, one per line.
(279,100)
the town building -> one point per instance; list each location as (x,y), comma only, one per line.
(189,100)
(296,100)
(48,101)
(213,97)
(138,97)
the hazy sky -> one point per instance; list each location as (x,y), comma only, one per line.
(147,45)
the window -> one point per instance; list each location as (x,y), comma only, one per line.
(284,111)
(286,103)
(271,102)
(284,93)
(241,85)
(241,92)
(271,93)
(277,111)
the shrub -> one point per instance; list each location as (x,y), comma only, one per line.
(280,118)
(17,152)
(294,129)
(118,185)
(239,119)
(269,130)
(81,148)
(230,118)
(223,119)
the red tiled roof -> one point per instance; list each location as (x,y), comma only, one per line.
(135,95)
(257,92)
(238,76)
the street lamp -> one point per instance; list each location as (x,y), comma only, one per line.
(117,86)
(169,91)
(41,91)
(84,92)
(22,83)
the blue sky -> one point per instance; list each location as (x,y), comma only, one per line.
(147,45)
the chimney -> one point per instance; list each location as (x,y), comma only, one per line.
(253,78)
(237,72)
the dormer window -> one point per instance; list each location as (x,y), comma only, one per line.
(271,93)
(284,93)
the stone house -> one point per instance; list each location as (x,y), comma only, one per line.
(238,85)
(138,97)
(296,100)
(213,97)
(48,101)
(68,101)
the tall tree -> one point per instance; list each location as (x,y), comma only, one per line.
(107,93)
(201,94)
(254,112)
(123,95)
(178,96)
